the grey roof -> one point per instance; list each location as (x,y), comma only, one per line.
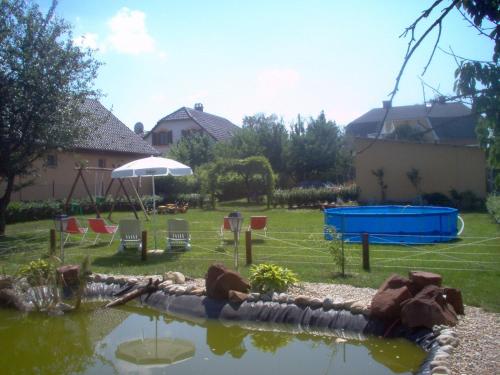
(449,120)
(107,133)
(218,127)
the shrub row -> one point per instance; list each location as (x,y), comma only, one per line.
(493,207)
(466,200)
(314,196)
(41,210)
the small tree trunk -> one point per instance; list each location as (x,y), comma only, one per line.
(4,202)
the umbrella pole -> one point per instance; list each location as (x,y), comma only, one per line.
(154,212)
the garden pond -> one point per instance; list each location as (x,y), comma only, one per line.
(133,339)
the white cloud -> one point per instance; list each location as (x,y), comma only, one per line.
(272,82)
(129,34)
(87,40)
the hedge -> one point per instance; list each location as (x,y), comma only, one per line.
(314,196)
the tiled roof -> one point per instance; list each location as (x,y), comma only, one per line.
(449,120)
(107,133)
(218,127)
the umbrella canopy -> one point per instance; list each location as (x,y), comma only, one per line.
(152,166)
(155,351)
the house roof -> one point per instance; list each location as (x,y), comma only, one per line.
(107,133)
(218,127)
(449,120)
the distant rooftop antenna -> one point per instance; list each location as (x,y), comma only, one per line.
(139,128)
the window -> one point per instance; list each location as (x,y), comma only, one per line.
(101,163)
(190,132)
(162,138)
(52,160)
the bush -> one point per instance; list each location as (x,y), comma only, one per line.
(315,196)
(493,207)
(437,199)
(266,278)
(37,272)
(467,200)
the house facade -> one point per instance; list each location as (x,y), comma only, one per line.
(438,141)
(185,122)
(109,143)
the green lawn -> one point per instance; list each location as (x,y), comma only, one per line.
(294,239)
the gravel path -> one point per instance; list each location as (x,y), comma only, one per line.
(478,331)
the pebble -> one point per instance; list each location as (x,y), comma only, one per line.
(440,370)
(282,298)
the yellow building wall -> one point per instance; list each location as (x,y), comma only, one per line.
(442,168)
(55,182)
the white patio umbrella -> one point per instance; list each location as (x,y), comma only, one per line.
(152,166)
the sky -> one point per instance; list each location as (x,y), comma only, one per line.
(240,58)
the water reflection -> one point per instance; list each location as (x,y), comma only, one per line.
(138,340)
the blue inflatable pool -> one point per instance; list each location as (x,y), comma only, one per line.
(394,224)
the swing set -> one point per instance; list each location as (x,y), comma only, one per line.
(98,188)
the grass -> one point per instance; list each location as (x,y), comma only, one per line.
(294,240)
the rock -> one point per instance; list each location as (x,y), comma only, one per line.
(275,297)
(445,350)
(346,305)
(237,297)
(339,340)
(315,303)
(359,307)
(421,279)
(394,282)
(69,275)
(445,340)
(165,284)
(327,303)
(302,300)
(197,292)
(255,296)
(176,277)
(10,299)
(266,297)
(290,300)
(64,307)
(189,288)
(444,357)
(219,281)
(386,304)
(454,298)
(214,271)
(437,364)
(426,309)
(110,280)
(132,280)
(6,282)
(440,370)
(180,290)
(282,298)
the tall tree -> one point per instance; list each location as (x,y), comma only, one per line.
(194,150)
(44,78)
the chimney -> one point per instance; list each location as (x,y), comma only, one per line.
(386,104)
(198,107)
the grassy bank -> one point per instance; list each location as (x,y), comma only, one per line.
(295,239)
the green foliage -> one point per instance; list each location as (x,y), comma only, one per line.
(250,170)
(315,196)
(37,272)
(379,174)
(194,150)
(407,133)
(467,200)
(493,207)
(336,250)
(437,199)
(44,80)
(171,187)
(266,278)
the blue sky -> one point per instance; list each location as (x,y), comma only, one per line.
(243,57)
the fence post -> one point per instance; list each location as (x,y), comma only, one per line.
(144,250)
(248,243)
(52,239)
(366,251)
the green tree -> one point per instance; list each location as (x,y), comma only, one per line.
(194,150)
(315,152)
(44,79)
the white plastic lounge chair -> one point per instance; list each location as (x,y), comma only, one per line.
(130,234)
(178,234)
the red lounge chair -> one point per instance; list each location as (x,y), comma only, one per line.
(225,226)
(74,227)
(258,223)
(99,226)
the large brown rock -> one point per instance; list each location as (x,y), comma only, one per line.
(420,279)
(394,281)
(237,297)
(214,271)
(386,304)
(69,275)
(220,281)
(427,308)
(454,298)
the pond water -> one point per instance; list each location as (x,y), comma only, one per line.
(136,340)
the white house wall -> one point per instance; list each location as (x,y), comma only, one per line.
(176,127)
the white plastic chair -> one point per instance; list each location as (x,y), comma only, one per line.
(178,234)
(130,234)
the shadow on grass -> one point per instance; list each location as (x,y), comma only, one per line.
(131,258)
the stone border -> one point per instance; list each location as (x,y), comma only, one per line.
(443,341)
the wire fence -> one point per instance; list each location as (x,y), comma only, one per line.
(293,249)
